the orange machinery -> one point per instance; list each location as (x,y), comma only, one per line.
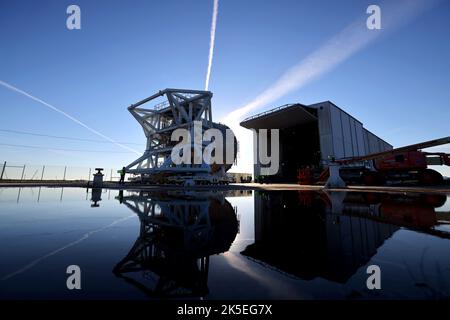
(404,163)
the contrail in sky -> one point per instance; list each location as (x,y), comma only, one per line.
(211,41)
(333,52)
(48,105)
(71,244)
(328,56)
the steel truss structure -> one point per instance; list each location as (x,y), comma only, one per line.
(178,233)
(179,109)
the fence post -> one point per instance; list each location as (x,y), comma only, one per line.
(23,172)
(65,169)
(42,176)
(89,176)
(3,170)
(110,177)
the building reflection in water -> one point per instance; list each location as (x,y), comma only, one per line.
(304,234)
(330,235)
(178,233)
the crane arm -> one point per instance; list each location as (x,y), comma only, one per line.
(412,147)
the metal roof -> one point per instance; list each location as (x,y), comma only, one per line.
(281,117)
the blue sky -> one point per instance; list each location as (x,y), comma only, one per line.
(398,85)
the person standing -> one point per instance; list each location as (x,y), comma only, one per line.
(122,176)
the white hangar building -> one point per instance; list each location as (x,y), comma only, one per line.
(311,134)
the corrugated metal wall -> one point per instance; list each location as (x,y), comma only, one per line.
(342,136)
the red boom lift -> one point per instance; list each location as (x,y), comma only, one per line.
(400,164)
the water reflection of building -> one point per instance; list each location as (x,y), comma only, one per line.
(178,233)
(312,234)
(300,238)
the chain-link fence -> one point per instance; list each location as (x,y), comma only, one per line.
(30,172)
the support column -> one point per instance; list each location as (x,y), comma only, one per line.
(335,180)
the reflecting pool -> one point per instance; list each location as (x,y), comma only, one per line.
(142,244)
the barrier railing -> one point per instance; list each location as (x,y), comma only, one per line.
(10,171)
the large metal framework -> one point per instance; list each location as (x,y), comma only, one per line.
(178,233)
(179,108)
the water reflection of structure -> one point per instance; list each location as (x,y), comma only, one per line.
(414,211)
(57,194)
(178,233)
(96,197)
(312,234)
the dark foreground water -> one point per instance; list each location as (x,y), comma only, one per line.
(215,245)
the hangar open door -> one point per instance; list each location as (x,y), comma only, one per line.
(299,148)
(299,139)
